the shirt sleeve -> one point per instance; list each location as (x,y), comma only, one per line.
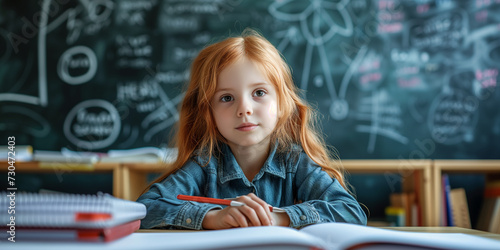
(164,210)
(321,198)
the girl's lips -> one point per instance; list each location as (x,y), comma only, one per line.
(246,127)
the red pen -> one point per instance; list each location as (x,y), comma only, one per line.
(226,202)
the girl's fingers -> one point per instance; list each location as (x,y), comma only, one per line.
(263,204)
(231,221)
(258,210)
(251,215)
(239,218)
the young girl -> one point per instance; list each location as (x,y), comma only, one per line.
(245,133)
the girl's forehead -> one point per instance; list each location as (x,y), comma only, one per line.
(242,71)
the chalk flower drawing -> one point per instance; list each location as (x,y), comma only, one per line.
(318,25)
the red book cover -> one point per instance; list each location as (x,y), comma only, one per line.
(77,234)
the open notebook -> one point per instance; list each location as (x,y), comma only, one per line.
(67,210)
(318,236)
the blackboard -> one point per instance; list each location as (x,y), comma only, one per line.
(391,79)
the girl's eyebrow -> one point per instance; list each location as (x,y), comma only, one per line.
(252,85)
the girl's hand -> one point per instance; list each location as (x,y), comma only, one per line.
(281,219)
(255,213)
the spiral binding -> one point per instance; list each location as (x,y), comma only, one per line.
(60,209)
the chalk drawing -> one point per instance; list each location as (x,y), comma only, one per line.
(315,16)
(41,99)
(41,129)
(72,59)
(383,116)
(21,80)
(42,54)
(92,124)
(290,35)
(167,121)
(96,16)
(132,134)
(311,21)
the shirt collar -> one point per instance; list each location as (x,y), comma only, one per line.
(229,168)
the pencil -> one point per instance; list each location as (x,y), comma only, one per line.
(226,202)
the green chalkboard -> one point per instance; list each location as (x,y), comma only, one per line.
(391,79)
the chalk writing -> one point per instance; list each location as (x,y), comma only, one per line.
(77,65)
(134,51)
(383,73)
(92,124)
(487,78)
(451,117)
(390,16)
(134,13)
(444,31)
(369,74)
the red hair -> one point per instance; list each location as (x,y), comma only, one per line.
(196,129)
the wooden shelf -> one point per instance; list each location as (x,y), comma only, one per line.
(135,178)
(416,174)
(68,168)
(456,166)
(130,179)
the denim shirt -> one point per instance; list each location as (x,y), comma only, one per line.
(291,181)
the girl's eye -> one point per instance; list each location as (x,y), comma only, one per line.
(260,93)
(226,98)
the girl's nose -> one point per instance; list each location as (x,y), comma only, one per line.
(244,108)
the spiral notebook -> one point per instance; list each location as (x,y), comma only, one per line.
(67,210)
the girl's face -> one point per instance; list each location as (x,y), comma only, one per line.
(245,105)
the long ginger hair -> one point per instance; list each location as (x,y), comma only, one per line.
(196,128)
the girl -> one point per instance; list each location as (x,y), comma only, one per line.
(244,132)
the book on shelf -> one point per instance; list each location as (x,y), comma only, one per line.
(17,152)
(395,216)
(459,208)
(142,155)
(489,216)
(416,187)
(108,216)
(406,201)
(65,156)
(447,213)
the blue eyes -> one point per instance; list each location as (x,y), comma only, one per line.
(226,98)
(257,93)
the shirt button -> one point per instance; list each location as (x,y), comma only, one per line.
(188,220)
(303,217)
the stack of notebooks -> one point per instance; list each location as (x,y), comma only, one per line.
(68,217)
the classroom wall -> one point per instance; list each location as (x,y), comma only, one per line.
(391,79)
